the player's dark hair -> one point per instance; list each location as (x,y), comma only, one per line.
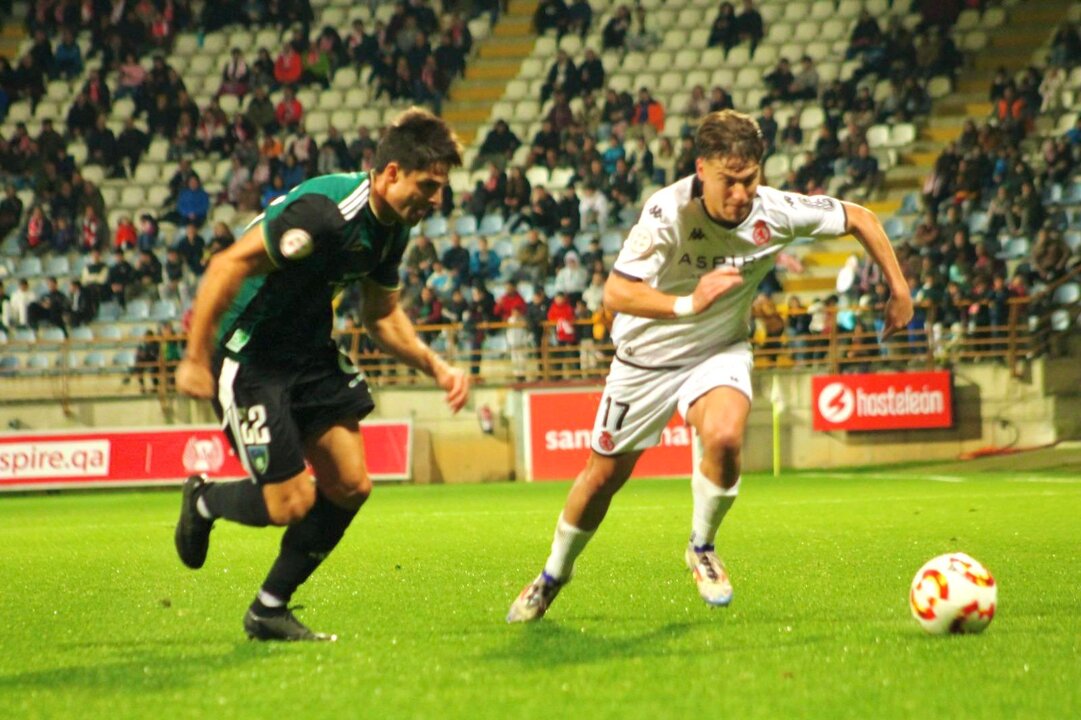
(417,140)
(727,133)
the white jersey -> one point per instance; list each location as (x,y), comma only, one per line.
(675,243)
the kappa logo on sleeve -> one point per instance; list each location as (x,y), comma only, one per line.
(698,234)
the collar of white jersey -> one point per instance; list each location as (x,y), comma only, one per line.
(696,194)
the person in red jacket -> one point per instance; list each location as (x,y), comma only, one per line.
(561,313)
(289,111)
(512,300)
(288,67)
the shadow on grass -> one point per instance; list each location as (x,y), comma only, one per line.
(136,666)
(546,644)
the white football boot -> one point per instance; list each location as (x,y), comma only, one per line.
(709,575)
(533,601)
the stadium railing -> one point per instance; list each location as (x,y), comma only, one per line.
(1035,326)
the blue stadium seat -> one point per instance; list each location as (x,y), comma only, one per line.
(57,265)
(435,226)
(110,332)
(466,225)
(29,266)
(894,227)
(94,360)
(51,334)
(490,224)
(124,358)
(163,310)
(1068,293)
(138,309)
(612,242)
(82,334)
(109,311)
(9,364)
(40,362)
(24,335)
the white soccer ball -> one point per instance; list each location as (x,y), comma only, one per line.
(953,593)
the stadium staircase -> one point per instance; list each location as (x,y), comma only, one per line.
(1008,37)
(497,61)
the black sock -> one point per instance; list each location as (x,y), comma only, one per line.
(305,545)
(240,501)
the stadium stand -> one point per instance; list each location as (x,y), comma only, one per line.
(567,129)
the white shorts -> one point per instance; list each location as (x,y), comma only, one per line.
(638,402)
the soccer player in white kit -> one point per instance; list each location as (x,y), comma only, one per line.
(682,289)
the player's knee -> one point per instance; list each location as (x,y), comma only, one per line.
(598,478)
(722,441)
(291,500)
(354,488)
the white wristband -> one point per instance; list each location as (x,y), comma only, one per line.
(684,306)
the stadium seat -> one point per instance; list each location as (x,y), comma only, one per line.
(1067,294)
(41,362)
(776,167)
(82,334)
(465,225)
(537,175)
(895,228)
(435,226)
(57,266)
(490,224)
(51,334)
(9,364)
(24,335)
(29,266)
(137,309)
(612,242)
(878,136)
(124,358)
(902,134)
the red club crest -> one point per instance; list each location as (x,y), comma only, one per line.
(761,234)
(605,441)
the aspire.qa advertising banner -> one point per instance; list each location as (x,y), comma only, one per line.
(559,428)
(882,401)
(162,456)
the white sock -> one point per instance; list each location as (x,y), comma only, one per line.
(711,502)
(269,600)
(202,509)
(567,545)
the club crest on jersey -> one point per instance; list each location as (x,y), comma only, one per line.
(605,441)
(295,244)
(639,241)
(761,234)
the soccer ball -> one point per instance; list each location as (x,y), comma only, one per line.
(953,593)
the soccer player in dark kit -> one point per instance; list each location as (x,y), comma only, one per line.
(260,347)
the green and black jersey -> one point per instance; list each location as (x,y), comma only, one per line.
(320,236)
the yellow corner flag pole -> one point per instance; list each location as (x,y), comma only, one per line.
(777,401)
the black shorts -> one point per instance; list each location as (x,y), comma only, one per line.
(268,412)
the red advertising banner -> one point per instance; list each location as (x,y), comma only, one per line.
(882,401)
(558,428)
(161,456)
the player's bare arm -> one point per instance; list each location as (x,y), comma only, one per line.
(393,331)
(626,295)
(220,284)
(864,225)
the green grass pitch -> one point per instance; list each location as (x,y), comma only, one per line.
(101,621)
